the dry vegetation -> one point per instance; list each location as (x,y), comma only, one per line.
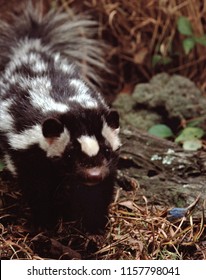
(136,31)
(133,232)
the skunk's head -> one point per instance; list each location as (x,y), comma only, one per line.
(84,145)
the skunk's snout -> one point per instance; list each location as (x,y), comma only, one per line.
(93,175)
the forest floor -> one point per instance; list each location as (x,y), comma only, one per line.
(158,211)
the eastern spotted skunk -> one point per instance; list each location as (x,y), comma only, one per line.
(58,137)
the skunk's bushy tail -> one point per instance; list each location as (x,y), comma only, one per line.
(72,35)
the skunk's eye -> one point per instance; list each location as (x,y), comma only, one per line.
(107,151)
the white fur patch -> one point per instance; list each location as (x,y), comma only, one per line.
(66,68)
(23,54)
(85,101)
(89,145)
(6,120)
(27,45)
(10,165)
(13,78)
(57,146)
(33,60)
(111,135)
(80,86)
(82,95)
(36,62)
(33,135)
(62,64)
(39,89)
(26,138)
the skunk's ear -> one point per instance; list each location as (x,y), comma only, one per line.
(111,129)
(52,128)
(112,119)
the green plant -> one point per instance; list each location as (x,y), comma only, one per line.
(160,59)
(184,27)
(161,131)
(189,137)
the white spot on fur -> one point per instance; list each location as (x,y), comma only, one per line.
(67,68)
(39,89)
(82,95)
(6,120)
(32,60)
(10,165)
(85,101)
(80,86)
(111,135)
(62,64)
(24,53)
(12,78)
(89,145)
(26,138)
(38,65)
(57,57)
(33,135)
(57,146)
(26,46)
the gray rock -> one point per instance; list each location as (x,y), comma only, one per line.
(164,99)
(179,96)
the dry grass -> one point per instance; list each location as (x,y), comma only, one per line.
(137,30)
(149,235)
(133,232)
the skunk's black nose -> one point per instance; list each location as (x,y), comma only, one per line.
(94,175)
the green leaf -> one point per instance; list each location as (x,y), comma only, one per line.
(159,59)
(192,145)
(156,59)
(1,166)
(201,40)
(188,45)
(190,133)
(161,131)
(184,26)
(166,60)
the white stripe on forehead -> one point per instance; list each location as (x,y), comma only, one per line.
(89,145)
